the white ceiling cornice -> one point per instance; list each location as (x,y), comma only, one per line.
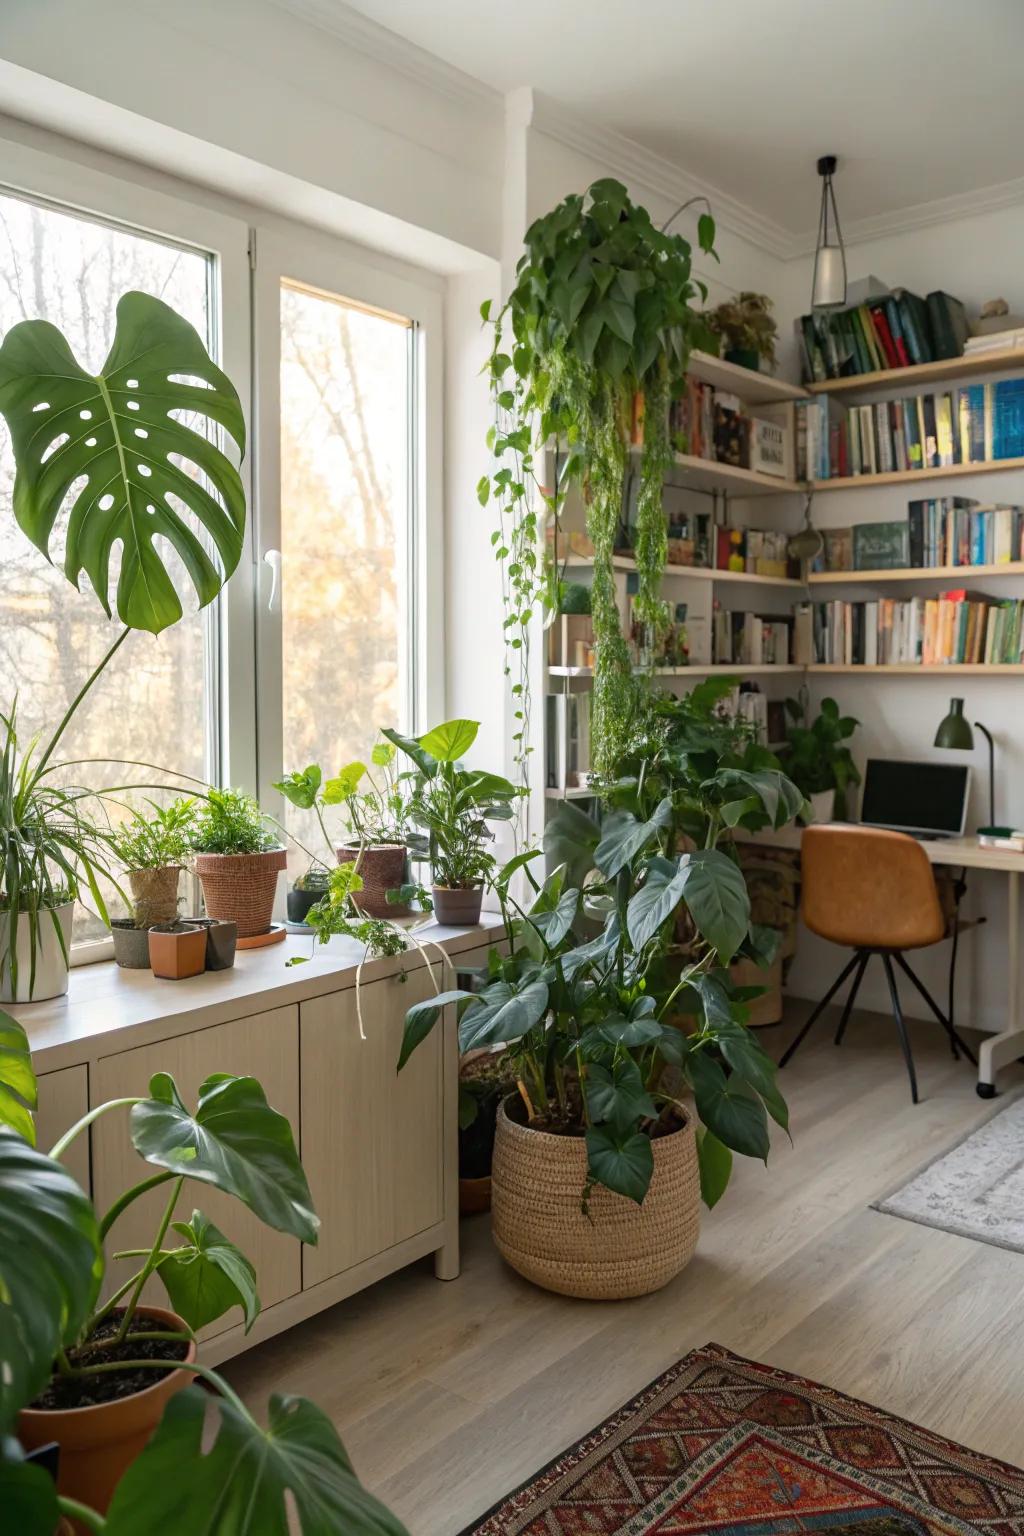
(387,47)
(631,161)
(623,156)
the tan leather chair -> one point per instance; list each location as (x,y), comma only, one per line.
(874,891)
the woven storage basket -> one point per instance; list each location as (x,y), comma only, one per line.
(155,894)
(622,1249)
(382,867)
(240,887)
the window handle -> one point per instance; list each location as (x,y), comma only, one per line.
(273,559)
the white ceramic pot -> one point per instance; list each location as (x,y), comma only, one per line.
(823,806)
(51,978)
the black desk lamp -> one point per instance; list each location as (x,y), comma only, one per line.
(955,733)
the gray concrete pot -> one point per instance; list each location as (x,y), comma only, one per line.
(131,944)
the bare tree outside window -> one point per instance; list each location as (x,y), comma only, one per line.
(345,403)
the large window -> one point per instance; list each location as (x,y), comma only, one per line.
(347,408)
(155,702)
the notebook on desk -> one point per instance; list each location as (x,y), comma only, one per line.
(924,799)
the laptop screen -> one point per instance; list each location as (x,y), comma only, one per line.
(928,798)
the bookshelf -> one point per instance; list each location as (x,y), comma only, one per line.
(710,475)
(914,476)
(916,573)
(939,669)
(922,373)
(738,669)
(752,388)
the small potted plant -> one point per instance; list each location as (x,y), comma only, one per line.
(817,758)
(153,850)
(485,1080)
(374,809)
(238,860)
(111,1383)
(747,330)
(308,888)
(453,806)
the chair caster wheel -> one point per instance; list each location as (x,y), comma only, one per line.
(986,1090)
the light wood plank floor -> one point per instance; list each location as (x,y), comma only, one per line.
(448,1395)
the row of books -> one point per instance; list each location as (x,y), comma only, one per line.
(958,627)
(942,531)
(894,330)
(714,424)
(752,639)
(975,424)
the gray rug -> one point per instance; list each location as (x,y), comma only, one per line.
(976,1189)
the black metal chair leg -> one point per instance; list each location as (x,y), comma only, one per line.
(955,1040)
(829,995)
(901,1025)
(841,1031)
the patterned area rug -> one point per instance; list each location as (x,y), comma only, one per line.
(976,1189)
(721,1444)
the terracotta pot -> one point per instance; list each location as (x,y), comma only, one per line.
(382,867)
(620,1248)
(240,887)
(51,977)
(99,1444)
(131,944)
(155,894)
(474,1196)
(457,906)
(177,950)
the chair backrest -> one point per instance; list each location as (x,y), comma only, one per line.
(869,889)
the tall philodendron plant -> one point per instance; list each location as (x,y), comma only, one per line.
(243,1479)
(602,309)
(103,450)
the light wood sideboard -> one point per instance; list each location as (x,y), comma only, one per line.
(380,1149)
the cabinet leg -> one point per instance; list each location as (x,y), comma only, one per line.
(446,1259)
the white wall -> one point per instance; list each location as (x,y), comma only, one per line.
(975,259)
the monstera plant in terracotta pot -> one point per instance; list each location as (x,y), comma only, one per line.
(238,860)
(113,1379)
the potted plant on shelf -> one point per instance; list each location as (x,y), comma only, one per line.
(453,806)
(141,1447)
(602,309)
(747,330)
(375,813)
(122,430)
(598,1162)
(153,850)
(818,758)
(238,859)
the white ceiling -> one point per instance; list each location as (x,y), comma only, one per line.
(921,99)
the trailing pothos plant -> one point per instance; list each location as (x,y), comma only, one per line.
(601,310)
(605,1033)
(56,1336)
(102,454)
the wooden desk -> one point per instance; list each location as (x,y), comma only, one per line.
(963,853)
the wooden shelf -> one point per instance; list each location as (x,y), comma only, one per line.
(709,475)
(690,572)
(917,573)
(940,669)
(752,388)
(922,373)
(576,793)
(915,476)
(699,669)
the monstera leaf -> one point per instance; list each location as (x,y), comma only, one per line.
(120,432)
(207,1275)
(17,1079)
(50,1269)
(234,1141)
(244,1483)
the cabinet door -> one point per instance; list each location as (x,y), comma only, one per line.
(63,1099)
(372,1136)
(265,1047)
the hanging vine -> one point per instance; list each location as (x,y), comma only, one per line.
(601,311)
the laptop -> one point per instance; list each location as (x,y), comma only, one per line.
(924,799)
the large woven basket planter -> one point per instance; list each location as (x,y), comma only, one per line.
(240,887)
(382,867)
(621,1249)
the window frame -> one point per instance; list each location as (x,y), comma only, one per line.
(331,266)
(83,191)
